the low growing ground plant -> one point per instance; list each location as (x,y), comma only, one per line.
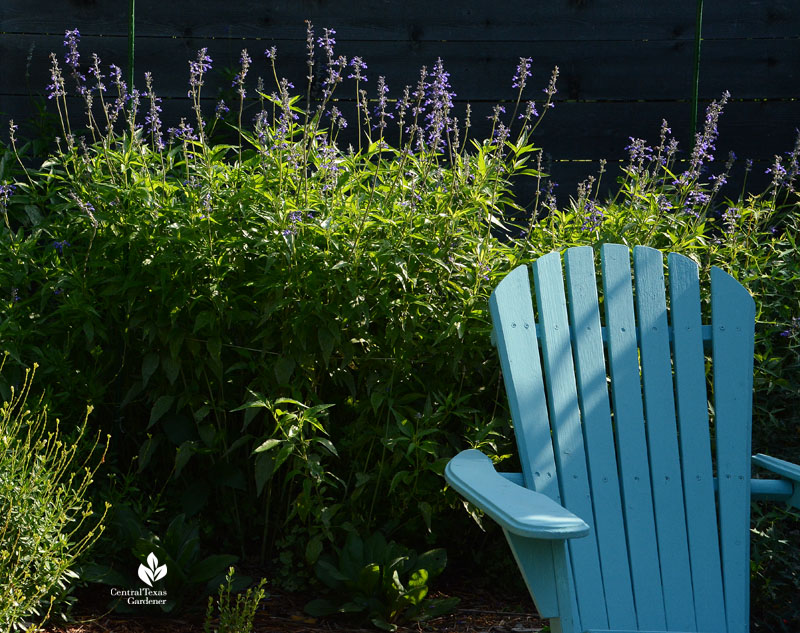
(382,580)
(279,308)
(47,521)
(234,617)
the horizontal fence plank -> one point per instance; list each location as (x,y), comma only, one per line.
(420,20)
(630,70)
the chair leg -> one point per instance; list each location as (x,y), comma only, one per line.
(568,622)
(545,568)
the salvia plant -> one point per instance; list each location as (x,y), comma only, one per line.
(278,305)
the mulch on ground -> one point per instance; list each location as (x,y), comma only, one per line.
(480,611)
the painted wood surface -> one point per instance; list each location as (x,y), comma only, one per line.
(659,557)
(762,65)
(624,65)
(416,19)
(732,321)
(511,308)
(632,453)
(778,466)
(517,509)
(662,438)
(691,401)
(593,395)
(791,474)
(565,422)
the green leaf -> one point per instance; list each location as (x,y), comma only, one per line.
(329,575)
(237,443)
(149,366)
(436,607)
(283,455)
(294,402)
(401,477)
(201,413)
(326,344)
(207,433)
(327,444)
(195,497)
(383,624)
(264,469)
(160,407)
(88,330)
(33,213)
(434,561)
(376,398)
(258,402)
(396,581)
(171,369)
(214,347)
(313,550)
(204,320)
(209,567)
(368,578)
(102,574)
(419,578)
(249,415)
(269,444)
(426,511)
(146,452)
(320,607)
(183,455)
(283,369)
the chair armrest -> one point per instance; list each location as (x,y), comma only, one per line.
(785,469)
(517,509)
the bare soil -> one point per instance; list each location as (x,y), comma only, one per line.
(480,611)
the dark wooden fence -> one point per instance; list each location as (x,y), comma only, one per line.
(625,64)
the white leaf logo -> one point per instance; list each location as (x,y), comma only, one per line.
(152,572)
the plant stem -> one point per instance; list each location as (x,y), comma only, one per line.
(696,79)
(131,37)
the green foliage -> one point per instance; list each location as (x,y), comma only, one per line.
(46,522)
(775,560)
(385,582)
(176,284)
(234,617)
(299,438)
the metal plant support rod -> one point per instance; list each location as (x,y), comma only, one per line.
(696,79)
(131,36)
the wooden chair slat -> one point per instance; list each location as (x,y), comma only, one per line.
(511,308)
(732,322)
(662,437)
(565,422)
(590,370)
(637,500)
(692,408)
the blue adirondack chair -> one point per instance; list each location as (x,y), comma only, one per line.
(622,518)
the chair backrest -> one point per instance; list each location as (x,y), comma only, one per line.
(628,447)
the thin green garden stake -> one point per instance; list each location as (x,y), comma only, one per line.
(696,79)
(131,35)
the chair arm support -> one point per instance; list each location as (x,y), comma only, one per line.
(517,509)
(785,469)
